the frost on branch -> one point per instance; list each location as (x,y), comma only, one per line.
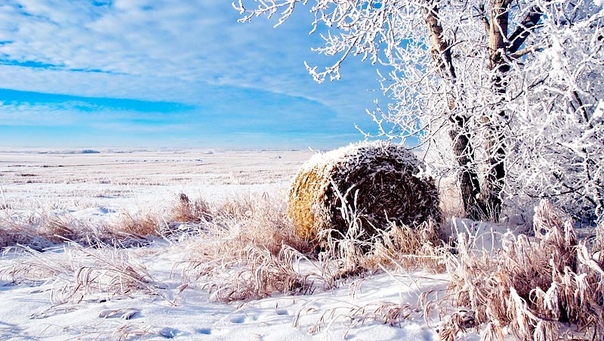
(503,95)
(368,185)
(559,132)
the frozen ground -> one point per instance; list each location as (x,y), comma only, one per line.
(102,186)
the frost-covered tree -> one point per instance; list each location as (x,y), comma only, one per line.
(503,93)
(558,122)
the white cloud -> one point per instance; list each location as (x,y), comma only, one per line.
(24,114)
(167,50)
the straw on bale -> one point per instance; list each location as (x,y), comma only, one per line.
(381,182)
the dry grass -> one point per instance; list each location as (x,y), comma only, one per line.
(187,211)
(39,231)
(141,226)
(411,248)
(133,331)
(260,274)
(245,220)
(44,229)
(397,247)
(105,272)
(451,203)
(531,286)
(80,273)
(35,268)
(250,250)
(393,314)
(250,220)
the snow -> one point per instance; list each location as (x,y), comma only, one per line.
(129,182)
(29,313)
(98,187)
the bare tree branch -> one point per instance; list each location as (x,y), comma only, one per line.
(525,27)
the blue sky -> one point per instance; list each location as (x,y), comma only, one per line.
(170,73)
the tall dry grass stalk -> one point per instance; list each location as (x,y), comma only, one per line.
(451,203)
(133,228)
(107,272)
(79,273)
(396,247)
(35,268)
(248,250)
(532,285)
(258,275)
(412,248)
(187,211)
(351,316)
(404,247)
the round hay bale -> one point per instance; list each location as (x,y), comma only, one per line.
(380,181)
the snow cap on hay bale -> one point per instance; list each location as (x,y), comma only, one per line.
(384,177)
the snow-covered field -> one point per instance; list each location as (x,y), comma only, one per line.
(116,181)
(40,296)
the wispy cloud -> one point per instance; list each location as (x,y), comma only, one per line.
(179,51)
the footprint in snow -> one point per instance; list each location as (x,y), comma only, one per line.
(204,331)
(238,319)
(169,333)
(125,314)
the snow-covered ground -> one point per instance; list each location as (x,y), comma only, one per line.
(95,187)
(348,312)
(138,179)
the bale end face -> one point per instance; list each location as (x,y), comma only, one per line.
(305,203)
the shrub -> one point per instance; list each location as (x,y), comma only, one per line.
(531,285)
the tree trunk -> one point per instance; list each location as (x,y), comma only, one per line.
(469,184)
(494,139)
(462,148)
(482,201)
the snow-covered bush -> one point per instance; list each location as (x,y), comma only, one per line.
(532,288)
(368,186)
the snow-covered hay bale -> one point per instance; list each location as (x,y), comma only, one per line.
(381,182)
